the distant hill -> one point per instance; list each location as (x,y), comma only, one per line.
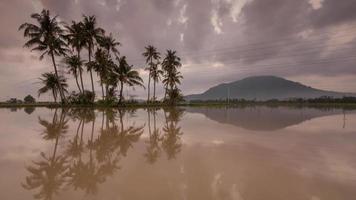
(263,88)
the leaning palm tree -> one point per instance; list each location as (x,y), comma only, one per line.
(53,84)
(76,39)
(150,54)
(126,75)
(109,44)
(170,66)
(92,34)
(47,36)
(74,65)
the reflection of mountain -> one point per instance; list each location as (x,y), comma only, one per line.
(263,118)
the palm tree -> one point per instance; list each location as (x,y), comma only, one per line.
(150,54)
(92,34)
(156,74)
(170,66)
(74,65)
(76,39)
(126,75)
(109,44)
(47,37)
(103,65)
(53,84)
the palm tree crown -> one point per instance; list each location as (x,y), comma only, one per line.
(110,44)
(126,75)
(51,83)
(74,65)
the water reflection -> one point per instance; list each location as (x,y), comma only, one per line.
(48,174)
(85,164)
(264,118)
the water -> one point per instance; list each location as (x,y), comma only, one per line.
(250,153)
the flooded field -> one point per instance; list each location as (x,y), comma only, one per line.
(250,153)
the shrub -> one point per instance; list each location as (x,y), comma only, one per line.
(29,99)
(81,98)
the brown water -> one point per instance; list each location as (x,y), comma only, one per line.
(253,153)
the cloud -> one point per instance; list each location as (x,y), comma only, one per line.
(316,4)
(218,40)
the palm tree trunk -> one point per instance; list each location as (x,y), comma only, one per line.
(149,81)
(56,72)
(76,80)
(91,75)
(121,89)
(148,87)
(80,73)
(106,91)
(102,87)
(154,90)
(54,96)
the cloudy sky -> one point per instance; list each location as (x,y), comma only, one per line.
(310,41)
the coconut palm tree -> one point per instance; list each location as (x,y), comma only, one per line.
(110,44)
(92,34)
(53,84)
(172,76)
(74,65)
(126,75)
(103,65)
(76,39)
(47,36)
(150,54)
(156,75)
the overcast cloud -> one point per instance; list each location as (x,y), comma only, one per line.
(310,41)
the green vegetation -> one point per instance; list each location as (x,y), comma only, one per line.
(29,99)
(57,39)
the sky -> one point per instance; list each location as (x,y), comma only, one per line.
(219,41)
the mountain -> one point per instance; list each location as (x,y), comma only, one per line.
(263,88)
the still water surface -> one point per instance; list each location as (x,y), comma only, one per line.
(251,153)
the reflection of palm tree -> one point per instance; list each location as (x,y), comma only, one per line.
(127,136)
(49,174)
(55,129)
(171,141)
(153,148)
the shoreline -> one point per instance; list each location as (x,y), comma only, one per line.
(188,104)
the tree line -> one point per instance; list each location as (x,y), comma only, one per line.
(56,39)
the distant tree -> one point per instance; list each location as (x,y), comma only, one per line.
(29,99)
(48,37)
